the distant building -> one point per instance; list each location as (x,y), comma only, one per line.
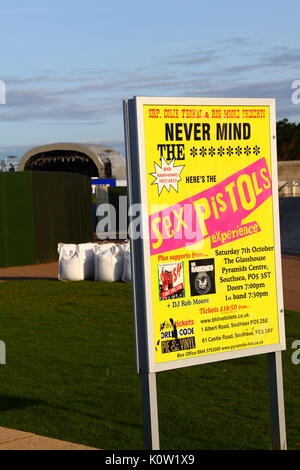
(9,163)
(289,178)
(93,160)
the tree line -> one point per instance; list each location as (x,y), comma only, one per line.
(288,140)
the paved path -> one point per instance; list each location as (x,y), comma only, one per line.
(35,271)
(19,440)
(290,274)
(291,282)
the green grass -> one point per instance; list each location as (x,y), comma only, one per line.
(70,374)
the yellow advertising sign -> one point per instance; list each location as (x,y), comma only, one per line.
(209,179)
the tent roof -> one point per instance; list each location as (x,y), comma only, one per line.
(97,152)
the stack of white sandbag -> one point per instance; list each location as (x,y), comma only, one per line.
(109,262)
(76,262)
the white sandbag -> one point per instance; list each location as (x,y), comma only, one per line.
(87,253)
(126,275)
(69,263)
(76,262)
(108,262)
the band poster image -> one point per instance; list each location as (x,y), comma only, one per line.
(211,229)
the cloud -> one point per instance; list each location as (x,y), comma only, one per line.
(236,67)
(288,58)
(197,57)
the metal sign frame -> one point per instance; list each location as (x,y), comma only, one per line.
(141,268)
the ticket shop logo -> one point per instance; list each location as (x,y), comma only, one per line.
(202,276)
(176,336)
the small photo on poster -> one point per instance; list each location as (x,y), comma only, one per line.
(202,276)
(170,280)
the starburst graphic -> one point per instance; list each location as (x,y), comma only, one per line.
(167,176)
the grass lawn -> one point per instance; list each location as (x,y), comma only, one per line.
(70,374)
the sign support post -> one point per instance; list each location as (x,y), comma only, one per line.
(151,428)
(277,401)
(148,379)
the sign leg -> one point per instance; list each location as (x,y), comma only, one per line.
(277,401)
(150,410)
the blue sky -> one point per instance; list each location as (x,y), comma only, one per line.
(67,65)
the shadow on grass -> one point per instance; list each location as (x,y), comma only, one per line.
(9,402)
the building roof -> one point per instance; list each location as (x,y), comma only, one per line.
(98,153)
